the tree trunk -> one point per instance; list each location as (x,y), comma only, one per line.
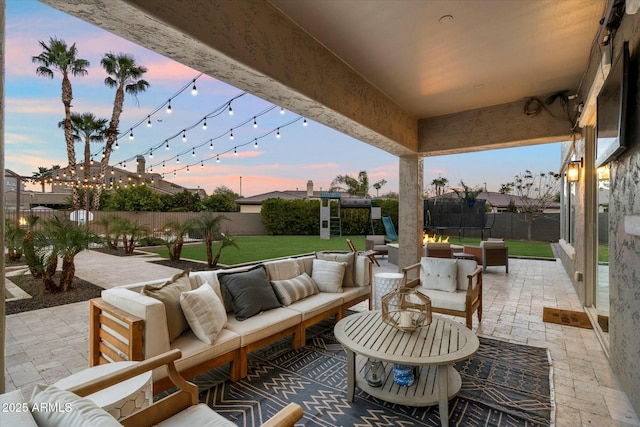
(68,272)
(67,97)
(217,258)
(50,270)
(112,136)
(35,264)
(209,243)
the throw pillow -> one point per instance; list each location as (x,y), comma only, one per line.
(439,274)
(292,290)
(349,258)
(205,313)
(169,293)
(53,407)
(328,275)
(250,292)
(282,269)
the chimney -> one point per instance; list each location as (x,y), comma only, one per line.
(309,188)
(141,165)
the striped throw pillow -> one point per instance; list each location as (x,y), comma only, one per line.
(291,290)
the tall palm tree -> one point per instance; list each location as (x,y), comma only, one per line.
(440,184)
(176,230)
(209,225)
(87,128)
(58,56)
(352,186)
(126,77)
(43,174)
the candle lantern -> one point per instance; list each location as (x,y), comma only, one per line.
(406,309)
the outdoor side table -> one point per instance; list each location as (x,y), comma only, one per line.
(463,255)
(383,283)
(119,400)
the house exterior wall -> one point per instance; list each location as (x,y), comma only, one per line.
(624,248)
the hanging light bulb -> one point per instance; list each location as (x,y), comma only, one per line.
(184,136)
(193,152)
(131,135)
(91,161)
(188,169)
(167,141)
(201,164)
(194,90)
(174,173)
(278,133)
(230,110)
(304,123)
(124,164)
(231,135)
(211,145)
(281,110)
(255,144)
(255,123)
(169,107)
(137,162)
(178,159)
(217,159)
(151,154)
(148,121)
(204,125)
(113,172)
(117,146)
(163,167)
(235,152)
(103,154)
(151,169)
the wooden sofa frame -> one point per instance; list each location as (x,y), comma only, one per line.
(186,396)
(105,346)
(473,301)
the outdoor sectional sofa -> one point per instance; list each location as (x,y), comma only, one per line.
(126,324)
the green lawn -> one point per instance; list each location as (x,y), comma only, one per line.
(256,248)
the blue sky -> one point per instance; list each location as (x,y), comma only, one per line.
(315,152)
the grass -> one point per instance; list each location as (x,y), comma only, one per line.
(256,248)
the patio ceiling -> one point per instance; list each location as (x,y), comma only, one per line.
(400,75)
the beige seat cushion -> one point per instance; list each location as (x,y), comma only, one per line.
(447,300)
(263,325)
(199,415)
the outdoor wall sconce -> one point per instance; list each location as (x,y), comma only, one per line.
(603,173)
(573,170)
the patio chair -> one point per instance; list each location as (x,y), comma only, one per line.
(438,250)
(490,253)
(369,253)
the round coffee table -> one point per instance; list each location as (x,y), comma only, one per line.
(433,349)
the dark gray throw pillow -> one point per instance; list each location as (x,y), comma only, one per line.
(250,292)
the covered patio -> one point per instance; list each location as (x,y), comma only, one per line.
(50,344)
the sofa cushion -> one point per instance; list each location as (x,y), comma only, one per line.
(348,258)
(250,292)
(264,325)
(446,300)
(169,293)
(53,407)
(439,274)
(204,311)
(199,415)
(465,268)
(328,275)
(282,269)
(210,277)
(292,290)
(15,410)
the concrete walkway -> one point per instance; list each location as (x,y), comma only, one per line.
(43,346)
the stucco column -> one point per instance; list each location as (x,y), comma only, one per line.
(411,211)
(2,284)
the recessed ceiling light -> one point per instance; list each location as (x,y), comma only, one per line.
(445,19)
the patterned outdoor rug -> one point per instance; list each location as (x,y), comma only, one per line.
(502,385)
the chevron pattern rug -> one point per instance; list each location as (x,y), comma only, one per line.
(503,384)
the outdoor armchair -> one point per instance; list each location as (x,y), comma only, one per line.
(376,243)
(490,253)
(438,250)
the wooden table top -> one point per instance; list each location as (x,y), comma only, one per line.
(443,342)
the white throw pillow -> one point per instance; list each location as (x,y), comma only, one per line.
(53,407)
(348,258)
(282,269)
(205,312)
(328,275)
(438,274)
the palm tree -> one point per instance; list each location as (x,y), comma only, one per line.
(378,185)
(440,184)
(33,256)
(352,186)
(226,241)
(87,128)
(44,174)
(57,56)
(175,239)
(125,76)
(131,232)
(209,225)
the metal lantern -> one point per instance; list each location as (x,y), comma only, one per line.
(406,309)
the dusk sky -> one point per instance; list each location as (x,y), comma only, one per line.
(33,109)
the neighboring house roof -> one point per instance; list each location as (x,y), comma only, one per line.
(285,195)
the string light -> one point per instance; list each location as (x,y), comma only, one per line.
(124,164)
(167,141)
(188,169)
(169,107)
(174,173)
(151,154)
(178,159)
(281,110)
(184,136)
(131,135)
(148,121)
(163,166)
(211,145)
(231,135)
(217,159)
(117,146)
(278,133)
(193,152)
(304,123)
(201,164)
(204,125)
(255,144)
(91,161)
(194,90)
(255,123)
(235,152)
(230,110)
(103,154)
